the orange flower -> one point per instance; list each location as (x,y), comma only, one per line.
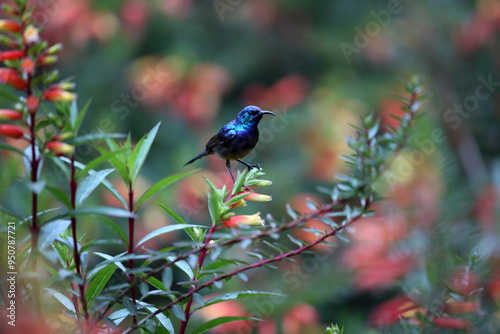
(8,114)
(58,95)
(10,26)
(28,65)
(11,55)
(32,104)
(59,148)
(234,221)
(11,131)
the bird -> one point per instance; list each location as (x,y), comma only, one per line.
(236,139)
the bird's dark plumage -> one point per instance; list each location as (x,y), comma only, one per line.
(236,139)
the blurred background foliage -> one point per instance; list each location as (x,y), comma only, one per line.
(320,65)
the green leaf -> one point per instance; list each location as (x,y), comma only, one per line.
(98,283)
(240,179)
(7,95)
(60,195)
(162,184)
(179,220)
(166,323)
(140,152)
(10,148)
(163,230)
(73,113)
(88,184)
(96,162)
(219,321)
(178,312)
(93,137)
(236,295)
(167,278)
(62,298)
(50,231)
(115,228)
(118,316)
(182,265)
(76,124)
(103,210)
(118,161)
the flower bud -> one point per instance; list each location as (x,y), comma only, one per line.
(10,26)
(11,131)
(11,55)
(238,204)
(8,114)
(47,60)
(234,221)
(32,104)
(10,10)
(261,183)
(58,95)
(54,49)
(66,85)
(59,148)
(258,197)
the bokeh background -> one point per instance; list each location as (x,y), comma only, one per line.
(319,65)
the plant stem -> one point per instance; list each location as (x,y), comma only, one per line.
(131,221)
(73,187)
(201,259)
(245,268)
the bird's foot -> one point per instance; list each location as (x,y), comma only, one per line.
(253,166)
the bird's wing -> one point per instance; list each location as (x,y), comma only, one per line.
(223,137)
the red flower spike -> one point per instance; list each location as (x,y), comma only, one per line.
(446,322)
(32,104)
(11,55)
(11,131)
(58,95)
(390,311)
(8,114)
(10,26)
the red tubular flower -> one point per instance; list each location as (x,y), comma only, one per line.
(234,221)
(11,55)
(8,114)
(11,131)
(10,76)
(47,60)
(446,322)
(59,148)
(58,95)
(32,104)
(258,197)
(10,26)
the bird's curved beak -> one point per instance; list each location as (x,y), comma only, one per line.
(268,112)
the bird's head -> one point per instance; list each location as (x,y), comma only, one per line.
(252,114)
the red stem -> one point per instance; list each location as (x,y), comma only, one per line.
(73,187)
(131,221)
(201,259)
(242,269)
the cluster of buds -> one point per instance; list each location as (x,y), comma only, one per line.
(57,145)
(20,64)
(239,197)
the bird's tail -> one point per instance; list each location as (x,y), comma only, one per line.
(202,154)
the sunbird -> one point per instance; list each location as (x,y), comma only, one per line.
(236,139)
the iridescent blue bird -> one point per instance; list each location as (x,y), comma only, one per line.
(236,139)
